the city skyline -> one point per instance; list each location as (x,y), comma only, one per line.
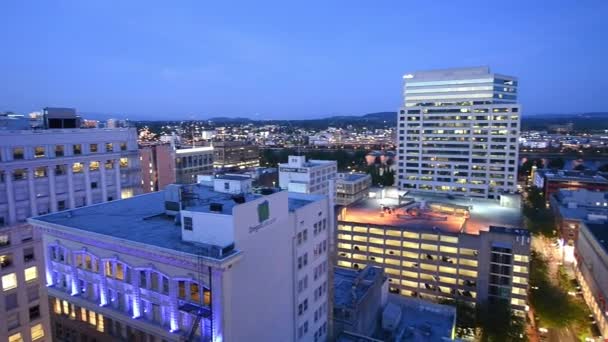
(270,62)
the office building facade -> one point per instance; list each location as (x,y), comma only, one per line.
(310,177)
(45,171)
(352,187)
(458,133)
(163,164)
(235,155)
(192,262)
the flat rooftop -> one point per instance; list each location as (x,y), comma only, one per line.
(426,212)
(345,281)
(581,176)
(422,320)
(142,219)
(352,177)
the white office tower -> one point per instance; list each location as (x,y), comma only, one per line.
(310,177)
(191,263)
(458,132)
(49,170)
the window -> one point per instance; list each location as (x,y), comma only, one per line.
(28,254)
(37,332)
(31,273)
(33,293)
(39,152)
(124,163)
(181,289)
(17,153)
(188,223)
(143,279)
(9,281)
(77,149)
(94,166)
(123,146)
(165,285)
(12,321)
(59,151)
(93,148)
(4,240)
(40,172)
(61,205)
(15,338)
(10,301)
(34,312)
(109,147)
(19,174)
(6,260)
(77,167)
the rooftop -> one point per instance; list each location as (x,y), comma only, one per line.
(457,215)
(573,175)
(143,219)
(351,286)
(420,320)
(351,177)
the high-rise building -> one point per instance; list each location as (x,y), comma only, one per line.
(24,312)
(50,170)
(163,164)
(192,262)
(458,132)
(45,171)
(436,249)
(235,155)
(310,177)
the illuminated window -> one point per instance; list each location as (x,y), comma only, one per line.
(100,323)
(31,273)
(94,166)
(77,167)
(126,193)
(9,281)
(194,292)
(39,152)
(521,258)
(109,147)
(15,338)
(107,266)
(124,163)
(40,172)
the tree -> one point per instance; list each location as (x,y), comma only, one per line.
(499,323)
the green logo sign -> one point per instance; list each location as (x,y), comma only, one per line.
(263,211)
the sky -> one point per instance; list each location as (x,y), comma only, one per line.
(183,59)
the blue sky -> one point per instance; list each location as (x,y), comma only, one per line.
(291,59)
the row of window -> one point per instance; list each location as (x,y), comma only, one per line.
(9,281)
(42,171)
(36,333)
(18,153)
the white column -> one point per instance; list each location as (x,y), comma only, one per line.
(10,197)
(136,296)
(87,183)
(117,177)
(32,192)
(71,202)
(216,304)
(103,284)
(52,194)
(104,183)
(173,313)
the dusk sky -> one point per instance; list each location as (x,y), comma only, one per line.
(291,59)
